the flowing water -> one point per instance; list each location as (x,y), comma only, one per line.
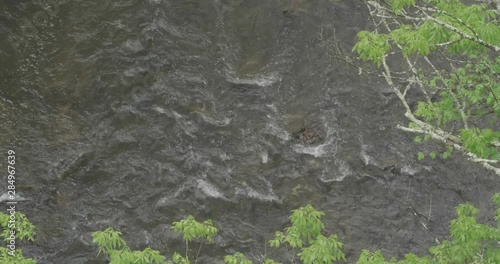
(135,113)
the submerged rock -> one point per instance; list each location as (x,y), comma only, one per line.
(308,135)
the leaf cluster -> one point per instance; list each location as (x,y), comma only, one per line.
(179,259)
(23,227)
(237,258)
(306,225)
(240,258)
(462,100)
(422,38)
(190,229)
(323,250)
(306,230)
(111,244)
(18,257)
(471,242)
(479,142)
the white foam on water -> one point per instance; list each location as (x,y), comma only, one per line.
(209,189)
(260,80)
(224,122)
(256,195)
(272,107)
(316,151)
(208,163)
(224,156)
(281,133)
(265,157)
(17,198)
(161,25)
(273,126)
(364,155)
(344,170)
(134,45)
(409,170)
(176,115)
(162,200)
(166,199)
(159,110)
(213,120)
(185,124)
(133,71)
(249,192)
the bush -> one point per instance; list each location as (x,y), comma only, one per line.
(470,242)
(23,230)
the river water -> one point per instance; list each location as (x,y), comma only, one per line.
(135,113)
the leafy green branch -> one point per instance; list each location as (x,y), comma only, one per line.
(111,244)
(306,231)
(464,92)
(471,242)
(191,229)
(23,230)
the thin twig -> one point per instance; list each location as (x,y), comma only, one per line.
(198,253)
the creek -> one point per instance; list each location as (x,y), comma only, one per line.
(133,114)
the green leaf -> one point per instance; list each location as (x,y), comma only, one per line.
(238,258)
(372,46)
(496,199)
(191,229)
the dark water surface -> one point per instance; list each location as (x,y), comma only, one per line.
(134,113)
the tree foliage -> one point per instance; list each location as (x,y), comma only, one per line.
(111,244)
(449,50)
(471,242)
(18,258)
(237,258)
(306,231)
(190,228)
(24,230)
